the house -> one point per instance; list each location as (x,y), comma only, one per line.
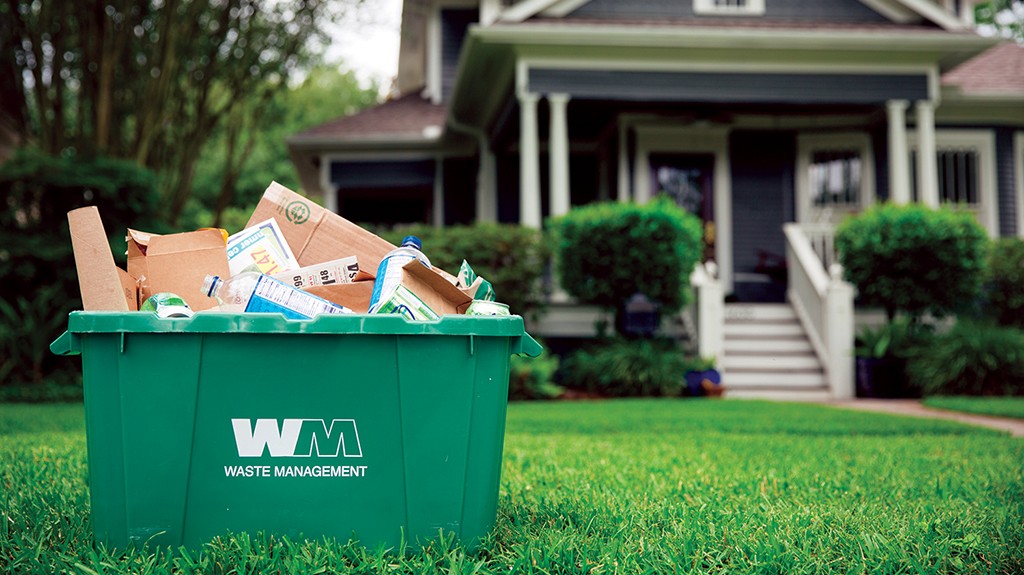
(770,119)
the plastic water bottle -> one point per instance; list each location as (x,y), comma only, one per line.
(389,273)
(256,292)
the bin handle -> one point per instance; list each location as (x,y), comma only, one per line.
(67,344)
(525,344)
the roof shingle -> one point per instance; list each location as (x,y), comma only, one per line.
(997,71)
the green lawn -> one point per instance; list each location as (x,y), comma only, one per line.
(631,486)
(997,406)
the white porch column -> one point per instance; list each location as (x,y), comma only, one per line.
(438,219)
(623,193)
(486,185)
(529,168)
(559,154)
(927,167)
(899,155)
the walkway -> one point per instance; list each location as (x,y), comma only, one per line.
(913,408)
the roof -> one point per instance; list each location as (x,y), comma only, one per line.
(406,117)
(746,24)
(997,71)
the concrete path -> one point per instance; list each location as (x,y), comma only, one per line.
(913,407)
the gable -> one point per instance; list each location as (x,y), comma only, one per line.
(789,10)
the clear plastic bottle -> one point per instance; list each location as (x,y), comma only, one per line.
(389,273)
(256,292)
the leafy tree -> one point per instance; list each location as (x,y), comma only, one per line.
(248,150)
(1002,17)
(149,80)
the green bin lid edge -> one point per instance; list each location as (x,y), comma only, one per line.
(220,322)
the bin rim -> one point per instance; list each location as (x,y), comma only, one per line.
(271,323)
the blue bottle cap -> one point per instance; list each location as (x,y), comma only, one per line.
(412,241)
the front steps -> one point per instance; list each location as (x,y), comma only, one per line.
(768,355)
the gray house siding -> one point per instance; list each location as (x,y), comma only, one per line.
(1005,183)
(454,25)
(648,86)
(793,10)
(762,200)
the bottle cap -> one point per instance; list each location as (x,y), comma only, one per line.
(413,241)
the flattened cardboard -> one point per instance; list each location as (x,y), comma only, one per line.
(177,263)
(317,235)
(355,296)
(98,277)
(437,292)
(130,286)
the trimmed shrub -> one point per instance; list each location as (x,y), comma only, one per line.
(609,251)
(630,368)
(513,258)
(40,283)
(913,259)
(533,377)
(971,359)
(1004,288)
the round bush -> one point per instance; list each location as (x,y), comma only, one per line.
(1005,286)
(609,251)
(971,359)
(913,259)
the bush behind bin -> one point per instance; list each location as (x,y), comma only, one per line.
(972,358)
(1004,285)
(620,367)
(609,251)
(40,284)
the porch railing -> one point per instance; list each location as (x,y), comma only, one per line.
(823,302)
(709,312)
(822,239)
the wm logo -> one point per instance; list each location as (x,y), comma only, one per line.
(297,438)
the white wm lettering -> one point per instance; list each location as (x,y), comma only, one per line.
(297,438)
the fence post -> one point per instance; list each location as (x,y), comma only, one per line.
(839,319)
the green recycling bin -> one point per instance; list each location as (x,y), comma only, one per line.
(362,427)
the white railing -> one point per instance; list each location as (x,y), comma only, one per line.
(822,237)
(823,302)
(709,312)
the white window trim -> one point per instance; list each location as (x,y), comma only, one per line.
(807,144)
(985,142)
(433,75)
(751,8)
(1018,169)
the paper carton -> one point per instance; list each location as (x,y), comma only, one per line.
(177,263)
(99,279)
(317,235)
(437,292)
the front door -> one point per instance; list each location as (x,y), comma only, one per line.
(687,179)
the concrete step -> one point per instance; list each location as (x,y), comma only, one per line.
(759,312)
(763,329)
(766,379)
(771,362)
(774,346)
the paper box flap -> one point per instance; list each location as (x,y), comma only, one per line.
(437,292)
(98,276)
(355,296)
(317,235)
(177,263)
(130,287)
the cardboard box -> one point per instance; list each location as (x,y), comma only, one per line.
(317,235)
(99,279)
(355,296)
(177,263)
(437,292)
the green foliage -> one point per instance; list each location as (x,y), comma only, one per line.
(1012,407)
(326,93)
(533,377)
(899,338)
(630,368)
(513,258)
(1004,18)
(608,251)
(1004,288)
(971,359)
(36,261)
(913,259)
(636,486)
